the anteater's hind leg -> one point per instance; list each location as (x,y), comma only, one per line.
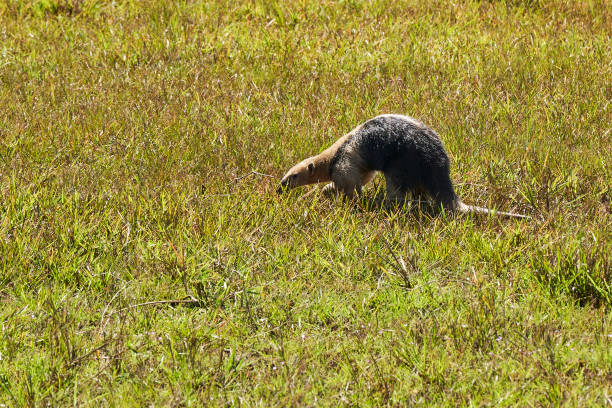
(398,192)
(440,187)
(403,179)
(394,191)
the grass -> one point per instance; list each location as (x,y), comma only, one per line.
(135,143)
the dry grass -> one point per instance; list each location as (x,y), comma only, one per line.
(129,136)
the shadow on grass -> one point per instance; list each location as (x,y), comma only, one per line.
(582,273)
(417,209)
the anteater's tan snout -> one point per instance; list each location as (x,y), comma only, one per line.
(282,187)
(289,181)
(299,175)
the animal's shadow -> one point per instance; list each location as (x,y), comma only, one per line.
(412,208)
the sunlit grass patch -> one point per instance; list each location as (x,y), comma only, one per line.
(145,258)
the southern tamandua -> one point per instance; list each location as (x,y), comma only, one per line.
(409,154)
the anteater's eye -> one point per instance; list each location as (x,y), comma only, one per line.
(294,176)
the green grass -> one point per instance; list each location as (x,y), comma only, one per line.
(129,131)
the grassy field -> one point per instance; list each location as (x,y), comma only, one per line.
(145,259)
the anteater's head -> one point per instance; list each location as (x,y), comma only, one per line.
(299,175)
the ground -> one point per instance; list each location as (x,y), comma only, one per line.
(145,259)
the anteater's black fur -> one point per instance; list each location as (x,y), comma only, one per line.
(410,155)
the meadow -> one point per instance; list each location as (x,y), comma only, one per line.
(146,260)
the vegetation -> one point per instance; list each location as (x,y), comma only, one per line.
(146,260)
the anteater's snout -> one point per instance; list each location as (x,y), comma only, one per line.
(282,187)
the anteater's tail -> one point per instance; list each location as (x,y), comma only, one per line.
(471,209)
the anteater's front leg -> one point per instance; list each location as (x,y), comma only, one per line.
(347,178)
(330,190)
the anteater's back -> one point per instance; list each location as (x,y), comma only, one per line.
(410,155)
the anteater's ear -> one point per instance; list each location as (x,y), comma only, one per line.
(310,168)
